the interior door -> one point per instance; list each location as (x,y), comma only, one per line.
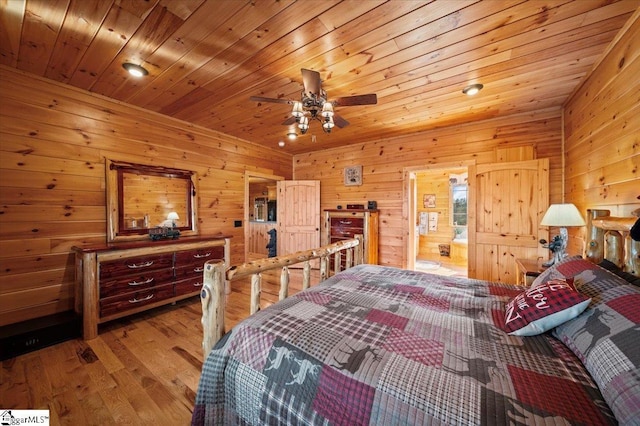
(298,215)
(509,201)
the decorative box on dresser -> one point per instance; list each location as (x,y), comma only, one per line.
(116,280)
(345,224)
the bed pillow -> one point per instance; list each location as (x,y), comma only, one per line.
(605,337)
(543,307)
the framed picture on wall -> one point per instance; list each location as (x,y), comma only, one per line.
(353,175)
(429,201)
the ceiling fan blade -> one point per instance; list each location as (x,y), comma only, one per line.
(311,81)
(289,121)
(339,121)
(273,100)
(370,99)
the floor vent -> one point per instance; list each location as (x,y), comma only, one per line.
(38,333)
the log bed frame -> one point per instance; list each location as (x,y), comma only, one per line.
(608,239)
(216,283)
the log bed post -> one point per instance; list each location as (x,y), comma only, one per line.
(609,238)
(284,283)
(306,275)
(256,291)
(212,297)
(594,250)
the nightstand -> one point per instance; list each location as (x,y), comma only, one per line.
(528,270)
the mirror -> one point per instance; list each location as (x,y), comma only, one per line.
(141,197)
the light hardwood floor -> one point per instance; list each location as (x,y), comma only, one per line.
(143,369)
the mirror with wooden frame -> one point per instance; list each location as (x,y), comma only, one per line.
(141,197)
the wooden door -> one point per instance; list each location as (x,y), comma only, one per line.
(298,215)
(509,200)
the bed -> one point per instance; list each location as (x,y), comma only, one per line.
(387,346)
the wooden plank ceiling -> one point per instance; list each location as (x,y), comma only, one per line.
(206,58)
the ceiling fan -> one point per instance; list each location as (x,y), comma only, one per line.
(314,104)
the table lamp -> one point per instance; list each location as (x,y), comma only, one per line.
(561,215)
(173,216)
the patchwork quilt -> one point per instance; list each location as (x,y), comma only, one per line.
(377,345)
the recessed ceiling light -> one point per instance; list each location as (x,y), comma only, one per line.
(472,89)
(281,144)
(135,70)
(292,136)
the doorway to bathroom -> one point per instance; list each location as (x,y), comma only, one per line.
(439,196)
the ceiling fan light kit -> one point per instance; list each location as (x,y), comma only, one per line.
(328,125)
(314,104)
(327,110)
(303,124)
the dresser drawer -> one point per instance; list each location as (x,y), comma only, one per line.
(126,301)
(126,266)
(190,285)
(194,270)
(135,282)
(198,256)
(346,227)
(347,222)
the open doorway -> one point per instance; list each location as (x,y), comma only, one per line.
(260,214)
(438,199)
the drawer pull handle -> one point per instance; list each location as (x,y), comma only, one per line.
(134,283)
(134,300)
(141,265)
(198,269)
(197,284)
(345,222)
(200,256)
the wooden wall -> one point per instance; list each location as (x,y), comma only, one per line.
(384,161)
(602,133)
(53,143)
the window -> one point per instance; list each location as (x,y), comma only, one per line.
(459,210)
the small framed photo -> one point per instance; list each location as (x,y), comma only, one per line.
(429,201)
(353,175)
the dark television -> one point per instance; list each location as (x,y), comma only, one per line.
(271,210)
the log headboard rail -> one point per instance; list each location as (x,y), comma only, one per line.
(609,238)
(217,278)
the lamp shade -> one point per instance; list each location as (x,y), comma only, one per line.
(562,215)
(297,110)
(173,216)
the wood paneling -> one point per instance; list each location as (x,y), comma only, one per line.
(384,160)
(53,143)
(206,58)
(602,131)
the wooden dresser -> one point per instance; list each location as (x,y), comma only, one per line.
(345,224)
(121,279)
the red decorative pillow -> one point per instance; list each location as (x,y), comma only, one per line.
(543,307)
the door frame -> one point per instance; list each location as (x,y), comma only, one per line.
(248,176)
(410,202)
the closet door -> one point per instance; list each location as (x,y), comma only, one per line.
(298,215)
(509,200)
